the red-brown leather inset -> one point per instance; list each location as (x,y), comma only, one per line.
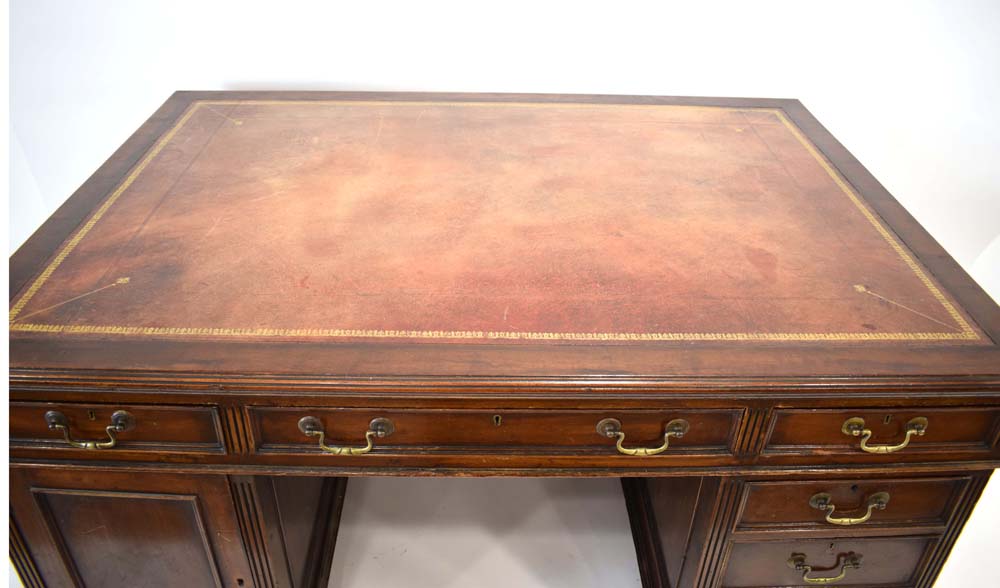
(477,221)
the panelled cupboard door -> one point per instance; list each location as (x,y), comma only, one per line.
(104,529)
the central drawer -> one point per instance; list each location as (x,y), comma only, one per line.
(705,432)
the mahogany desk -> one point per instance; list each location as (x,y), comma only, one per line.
(262,294)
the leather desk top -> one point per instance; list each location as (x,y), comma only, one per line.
(479,236)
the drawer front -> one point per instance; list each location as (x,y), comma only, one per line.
(152,429)
(786,505)
(883,562)
(948,433)
(709,432)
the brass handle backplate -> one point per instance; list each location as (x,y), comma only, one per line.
(379,427)
(121,421)
(612,428)
(824,502)
(855,427)
(848,561)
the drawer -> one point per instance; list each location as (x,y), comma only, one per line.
(710,431)
(881,562)
(948,433)
(146,428)
(903,503)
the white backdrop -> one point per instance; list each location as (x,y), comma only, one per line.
(911,88)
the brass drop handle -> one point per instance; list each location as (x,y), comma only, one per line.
(851,561)
(612,428)
(121,421)
(379,427)
(824,501)
(855,427)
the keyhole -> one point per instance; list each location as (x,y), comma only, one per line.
(887,419)
(91,415)
(239,581)
(497,420)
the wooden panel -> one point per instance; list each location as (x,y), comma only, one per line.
(117,529)
(962,512)
(951,433)
(310,519)
(682,535)
(752,431)
(649,545)
(172,429)
(121,539)
(885,562)
(710,432)
(784,505)
(289,527)
(20,558)
(234,430)
(261,531)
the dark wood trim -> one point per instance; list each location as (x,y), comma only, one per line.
(648,550)
(324,539)
(749,440)
(712,393)
(21,559)
(666,471)
(234,431)
(961,514)
(652,363)
(267,537)
(784,391)
(716,551)
(261,531)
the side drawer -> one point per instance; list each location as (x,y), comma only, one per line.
(947,433)
(867,503)
(895,562)
(149,429)
(456,431)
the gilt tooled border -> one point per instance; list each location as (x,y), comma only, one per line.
(966,332)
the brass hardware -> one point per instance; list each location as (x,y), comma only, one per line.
(497,420)
(851,561)
(121,421)
(612,428)
(855,427)
(822,501)
(379,427)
